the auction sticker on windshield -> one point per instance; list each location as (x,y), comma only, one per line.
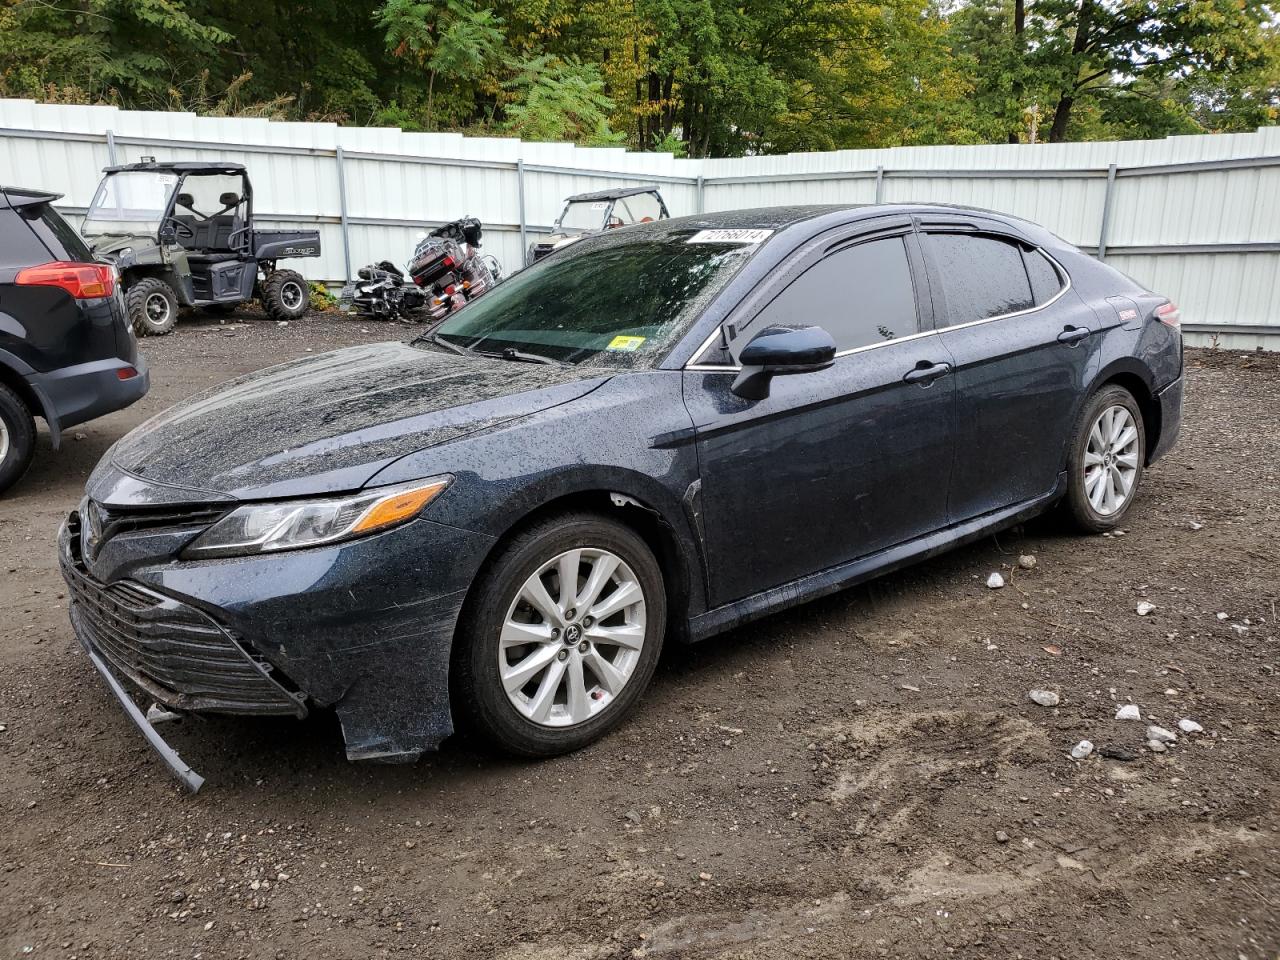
(730,236)
(622,342)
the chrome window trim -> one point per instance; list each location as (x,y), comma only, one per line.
(1062,272)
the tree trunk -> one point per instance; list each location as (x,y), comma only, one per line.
(1062,112)
(1020,47)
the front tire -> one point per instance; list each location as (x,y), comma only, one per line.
(152,306)
(1108,453)
(285,295)
(561,636)
(17,438)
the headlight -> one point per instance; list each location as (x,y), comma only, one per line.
(288,525)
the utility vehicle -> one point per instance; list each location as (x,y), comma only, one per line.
(181,234)
(587,214)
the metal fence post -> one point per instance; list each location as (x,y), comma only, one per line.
(524,226)
(111,147)
(1106,212)
(879,184)
(342,212)
(702,184)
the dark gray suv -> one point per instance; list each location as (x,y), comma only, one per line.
(67,353)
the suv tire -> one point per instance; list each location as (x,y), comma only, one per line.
(285,295)
(152,306)
(17,438)
(506,718)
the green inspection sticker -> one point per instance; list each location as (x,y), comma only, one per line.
(625,343)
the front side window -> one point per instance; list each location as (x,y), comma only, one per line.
(981,276)
(861,295)
(617,299)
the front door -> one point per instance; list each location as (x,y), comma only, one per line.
(836,464)
(1024,347)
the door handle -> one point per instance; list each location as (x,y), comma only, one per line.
(1073,335)
(924,373)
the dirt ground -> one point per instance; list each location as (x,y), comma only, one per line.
(861,777)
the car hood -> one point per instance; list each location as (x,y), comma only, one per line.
(329,422)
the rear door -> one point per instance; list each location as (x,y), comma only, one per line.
(1024,348)
(836,464)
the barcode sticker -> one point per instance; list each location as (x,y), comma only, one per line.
(730,236)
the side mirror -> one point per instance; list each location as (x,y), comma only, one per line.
(776,351)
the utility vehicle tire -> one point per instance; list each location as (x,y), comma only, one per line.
(152,306)
(1108,453)
(285,295)
(17,438)
(560,636)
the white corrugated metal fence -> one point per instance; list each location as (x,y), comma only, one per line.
(1196,218)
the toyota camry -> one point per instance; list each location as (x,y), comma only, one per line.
(658,434)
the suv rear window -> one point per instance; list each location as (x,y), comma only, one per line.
(58,235)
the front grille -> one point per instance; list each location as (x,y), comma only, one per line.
(116,520)
(168,649)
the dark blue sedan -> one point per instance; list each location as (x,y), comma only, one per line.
(660,432)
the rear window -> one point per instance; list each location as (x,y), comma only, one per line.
(58,235)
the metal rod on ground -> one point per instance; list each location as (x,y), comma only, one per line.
(1106,212)
(342,211)
(524,227)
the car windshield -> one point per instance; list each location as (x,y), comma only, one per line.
(129,202)
(619,299)
(584,215)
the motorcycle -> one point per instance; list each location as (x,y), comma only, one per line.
(446,271)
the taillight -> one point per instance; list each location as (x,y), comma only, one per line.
(84,281)
(448,260)
(1170,314)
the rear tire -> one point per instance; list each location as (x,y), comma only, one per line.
(1108,453)
(152,306)
(17,438)
(589,671)
(285,295)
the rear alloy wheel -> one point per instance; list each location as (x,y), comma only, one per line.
(285,295)
(566,632)
(1107,460)
(152,306)
(17,438)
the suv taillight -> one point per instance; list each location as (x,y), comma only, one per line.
(1170,314)
(84,281)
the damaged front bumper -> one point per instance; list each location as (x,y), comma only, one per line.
(365,627)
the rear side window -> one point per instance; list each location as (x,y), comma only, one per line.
(19,247)
(1045,280)
(861,295)
(58,235)
(981,276)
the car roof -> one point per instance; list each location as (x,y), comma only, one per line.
(179,166)
(613,193)
(24,197)
(815,218)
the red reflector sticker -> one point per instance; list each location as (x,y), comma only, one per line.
(126,373)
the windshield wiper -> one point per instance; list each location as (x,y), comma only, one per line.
(511,353)
(435,338)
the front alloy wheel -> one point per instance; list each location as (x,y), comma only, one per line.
(561,635)
(572,638)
